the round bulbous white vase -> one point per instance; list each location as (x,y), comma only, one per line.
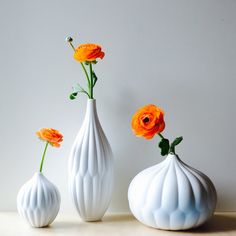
(38,201)
(172,196)
(91,168)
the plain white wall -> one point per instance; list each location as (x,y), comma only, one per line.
(180,55)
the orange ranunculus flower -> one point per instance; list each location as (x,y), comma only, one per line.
(148,121)
(88,52)
(54,137)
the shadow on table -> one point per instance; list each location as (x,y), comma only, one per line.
(118,218)
(218,223)
(82,224)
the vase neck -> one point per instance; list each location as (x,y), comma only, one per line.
(172,157)
(91,109)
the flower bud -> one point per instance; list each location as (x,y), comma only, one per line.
(69,39)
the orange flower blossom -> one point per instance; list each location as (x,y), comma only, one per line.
(50,136)
(87,54)
(149,121)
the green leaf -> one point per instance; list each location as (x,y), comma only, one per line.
(95,78)
(86,63)
(94,62)
(175,143)
(77,89)
(164,145)
(73,96)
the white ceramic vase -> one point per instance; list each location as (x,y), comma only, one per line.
(91,168)
(172,196)
(38,201)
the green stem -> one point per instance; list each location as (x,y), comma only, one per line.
(44,152)
(172,149)
(89,82)
(72,45)
(85,71)
(161,136)
(91,79)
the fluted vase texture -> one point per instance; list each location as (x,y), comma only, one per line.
(38,201)
(172,195)
(91,168)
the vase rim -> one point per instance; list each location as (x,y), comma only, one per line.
(38,173)
(91,101)
(172,154)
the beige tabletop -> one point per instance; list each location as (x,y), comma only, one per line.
(112,225)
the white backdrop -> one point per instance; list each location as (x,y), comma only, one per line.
(180,55)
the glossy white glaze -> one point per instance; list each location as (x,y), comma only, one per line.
(91,168)
(172,196)
(38,201)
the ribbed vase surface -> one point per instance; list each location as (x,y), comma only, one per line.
(91,168)
(38,201)
(172,196)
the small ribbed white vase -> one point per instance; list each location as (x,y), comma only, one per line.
(91,168)
(172,196)
(38,201)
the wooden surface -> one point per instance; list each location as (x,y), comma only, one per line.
(113,225)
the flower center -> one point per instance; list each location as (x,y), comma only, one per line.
(146,120)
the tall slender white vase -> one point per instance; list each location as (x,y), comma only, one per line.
(91,168)
(172,195)
(38,201)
